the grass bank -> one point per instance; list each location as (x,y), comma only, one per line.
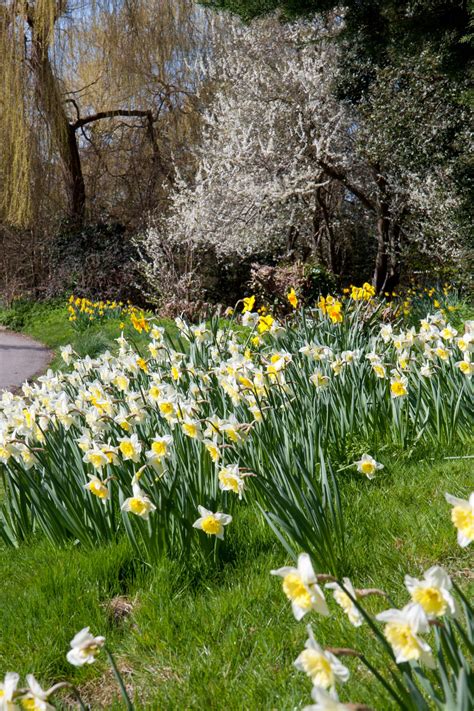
(204,638)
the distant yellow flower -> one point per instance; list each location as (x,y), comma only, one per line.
(213,449)
(249,303)
(130,447)
(230,479)
(398,385)
(344,601)
(292,298)
(265,323)
(138,504)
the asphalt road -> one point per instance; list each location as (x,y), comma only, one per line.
(20,359)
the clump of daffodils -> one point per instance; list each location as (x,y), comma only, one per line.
(85,649)
(406,632)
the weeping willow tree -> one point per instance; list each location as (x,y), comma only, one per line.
(86,86)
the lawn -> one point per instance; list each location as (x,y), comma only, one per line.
(201,638)
(195,633)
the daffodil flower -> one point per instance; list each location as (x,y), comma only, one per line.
(84,648)
(343,599)
(98,488)
(301,588)
(138,504)
(368,466)
(292,298)
(249,303)
(462,515)
(7,690)
(398,385)
(325,701)
(402,631)
(35,699)
(212,523)
(323,667)
(231,480)
(130,447)
(433,593)
(96,457)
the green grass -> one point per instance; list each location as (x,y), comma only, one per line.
(206,638)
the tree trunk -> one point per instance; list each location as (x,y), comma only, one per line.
(62,132)
(387,267)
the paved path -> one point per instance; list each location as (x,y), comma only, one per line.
(21,358)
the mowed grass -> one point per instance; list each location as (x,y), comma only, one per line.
(225,639)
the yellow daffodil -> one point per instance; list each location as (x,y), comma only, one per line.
(230,479)
(138,504)
(292,298)
(130,448)
(98,488)
(249,303)
(344,601)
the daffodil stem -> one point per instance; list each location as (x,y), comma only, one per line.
(118,676)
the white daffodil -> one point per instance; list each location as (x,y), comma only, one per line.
(319,380)
(84,648)
(98,488)
(7,689)
(465,366)
(138,504)
(323,667)
(368,466)
(462,515)
(130,447)
(96,457)
(433,593)
(231,480)
(426,370)
(213,449)
(325,701)
(36,699)
(386,332)
(301,588)
(66,353)
(343,599)
(159,449)
(402,631)
(212,523)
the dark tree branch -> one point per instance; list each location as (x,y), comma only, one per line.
(341,176)
(110,114)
